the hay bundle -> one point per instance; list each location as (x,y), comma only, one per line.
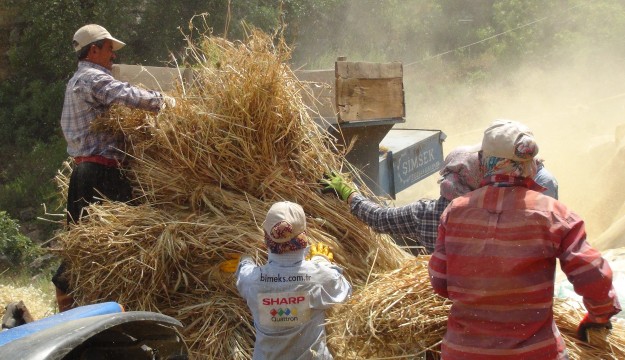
(142,257)
(216,325)
(602,344)
(205,173)
(398,316)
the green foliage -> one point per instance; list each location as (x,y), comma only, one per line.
(44,49)
(26,181)
(160,32)
(591,29)
(546,33)
(366,30)
(18,250)
(30,113)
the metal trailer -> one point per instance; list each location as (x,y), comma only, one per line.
(357,102)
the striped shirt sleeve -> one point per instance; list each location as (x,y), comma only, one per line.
(437,266)
(588,271)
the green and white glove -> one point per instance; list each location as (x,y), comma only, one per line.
(334,182)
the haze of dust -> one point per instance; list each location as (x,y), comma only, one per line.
(574,112)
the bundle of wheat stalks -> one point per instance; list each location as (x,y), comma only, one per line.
(205,173)
(398,316)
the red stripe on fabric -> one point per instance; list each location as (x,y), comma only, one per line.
(536,293)
(545,350)
(98,160)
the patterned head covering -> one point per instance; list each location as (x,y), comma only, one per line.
(285,227)
(461,173)
(297,243)
(509,148)
(499,166)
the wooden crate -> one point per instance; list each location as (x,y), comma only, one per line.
(369,91)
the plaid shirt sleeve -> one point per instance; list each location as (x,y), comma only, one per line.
(417,220)
(90,93)
(107,90)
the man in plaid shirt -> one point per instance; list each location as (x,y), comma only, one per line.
(90,93)
(98,155)
(418,220)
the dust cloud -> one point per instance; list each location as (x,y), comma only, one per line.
(574,110)
(574,107)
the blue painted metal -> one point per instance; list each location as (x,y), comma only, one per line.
(21,331)
(102,331)
(412,155)
(133,335)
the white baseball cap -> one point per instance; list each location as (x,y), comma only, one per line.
(509,139)
(285,220)
(92,32)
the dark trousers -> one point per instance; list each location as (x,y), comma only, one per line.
(89,183)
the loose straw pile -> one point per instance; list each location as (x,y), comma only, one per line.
(398,316)
(602,343)
(395,316)
(204,174)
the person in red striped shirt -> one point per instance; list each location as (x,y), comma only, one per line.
(495,259)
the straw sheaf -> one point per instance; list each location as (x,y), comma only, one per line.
(398,316)
(205,173)
(254,138)
(214,326)
(602,344)
(140,256)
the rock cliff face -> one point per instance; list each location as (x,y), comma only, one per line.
(9,21)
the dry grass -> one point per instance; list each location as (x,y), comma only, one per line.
(398,316)
(602,344)
(38,302)
(205,173)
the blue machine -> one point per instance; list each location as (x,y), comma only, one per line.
(98,331)
(410,156)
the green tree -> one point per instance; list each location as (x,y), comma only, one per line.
(16,248)
(42,60)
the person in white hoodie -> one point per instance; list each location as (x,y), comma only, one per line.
(289,295)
